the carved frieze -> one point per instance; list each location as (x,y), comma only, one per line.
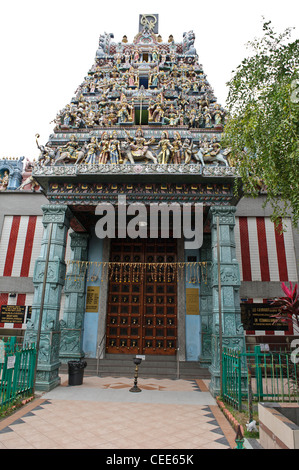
(55,273)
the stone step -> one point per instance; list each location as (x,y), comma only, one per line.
(121,365)
(148,357)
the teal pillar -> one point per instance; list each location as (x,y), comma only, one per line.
(47,293)
(232,329)
(206,303)
(71,326)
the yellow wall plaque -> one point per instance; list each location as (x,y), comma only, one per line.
(92,298)
(192,301)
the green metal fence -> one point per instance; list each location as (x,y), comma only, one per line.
(17,366)
(266,376)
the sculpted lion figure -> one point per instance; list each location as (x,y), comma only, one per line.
(188,43)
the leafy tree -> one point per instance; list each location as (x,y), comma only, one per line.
(262,127)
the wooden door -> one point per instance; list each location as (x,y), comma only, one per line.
(142,297)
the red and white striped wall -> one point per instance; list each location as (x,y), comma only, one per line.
(20,246)
(263,253)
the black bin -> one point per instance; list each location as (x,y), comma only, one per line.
(76,372)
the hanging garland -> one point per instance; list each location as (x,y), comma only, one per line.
(127,272)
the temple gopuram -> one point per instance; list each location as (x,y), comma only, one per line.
(141,249)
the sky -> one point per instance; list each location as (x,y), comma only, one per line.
(47,48)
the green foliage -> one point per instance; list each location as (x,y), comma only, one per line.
(262,128)
(288,305)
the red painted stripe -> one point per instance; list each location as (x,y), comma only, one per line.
(10,254)
(3,301)
(21,299)
(28,247)
(281,254)
(263,250)
(245,252)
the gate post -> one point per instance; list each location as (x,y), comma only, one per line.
(206,303)
(72,323)
(258,372)
(232,329)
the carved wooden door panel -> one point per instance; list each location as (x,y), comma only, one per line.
(142,297)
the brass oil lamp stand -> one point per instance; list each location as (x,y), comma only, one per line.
(135,387)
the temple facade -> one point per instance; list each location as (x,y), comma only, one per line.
(127,233)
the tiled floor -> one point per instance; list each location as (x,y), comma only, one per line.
(141,423)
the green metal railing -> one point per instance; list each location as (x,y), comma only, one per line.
(266,376)
(16,371)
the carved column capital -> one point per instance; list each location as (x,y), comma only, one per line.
(226,215)
(56,213)
(79,240)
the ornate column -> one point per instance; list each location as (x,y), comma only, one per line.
(48,295)
(232,329)
(206,304)
(72,323)
(181,319)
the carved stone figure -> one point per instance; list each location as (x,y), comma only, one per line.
(166,147)
(47,154)
(104,149)
(210,152)
(69,154)
(187,151)
(92,150)
(172,118)
(29,180)
(218,115)
(188,43)
(104,41)
(177,151)
(4,181)
(114,149)
(139,148)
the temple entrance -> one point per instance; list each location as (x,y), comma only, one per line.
(142,297)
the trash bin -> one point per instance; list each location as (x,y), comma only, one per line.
(76,372)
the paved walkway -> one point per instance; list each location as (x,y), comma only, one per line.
(103,414)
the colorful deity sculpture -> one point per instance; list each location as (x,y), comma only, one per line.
(114,149)
(177,151)
(104,149)
(166,147)
(139,147)
(92,149)
(4,181)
